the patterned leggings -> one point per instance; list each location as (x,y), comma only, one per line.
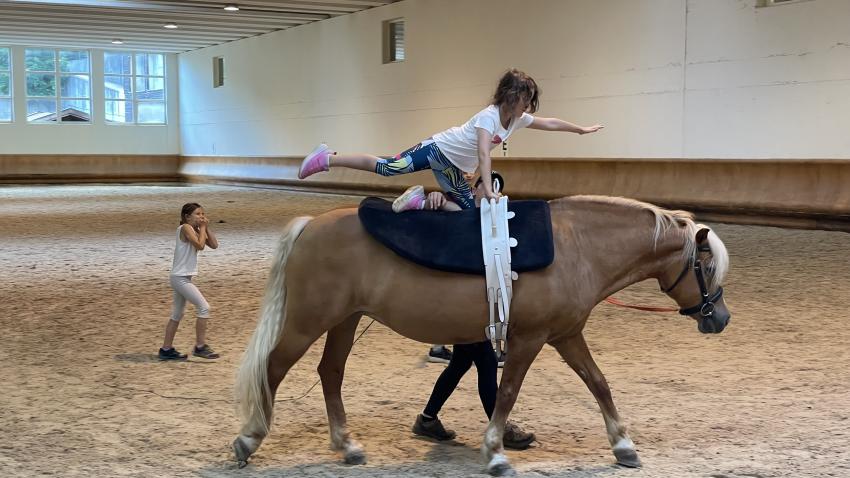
(426,155)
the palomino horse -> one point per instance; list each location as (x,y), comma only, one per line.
(328,272)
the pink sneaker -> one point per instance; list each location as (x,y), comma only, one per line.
(411,200)
(317,161)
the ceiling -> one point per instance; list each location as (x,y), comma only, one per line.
(140,24)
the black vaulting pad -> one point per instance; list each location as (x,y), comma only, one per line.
(451,241)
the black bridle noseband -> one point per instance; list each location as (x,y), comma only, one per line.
(706,307)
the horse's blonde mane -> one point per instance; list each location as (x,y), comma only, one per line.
(666,221)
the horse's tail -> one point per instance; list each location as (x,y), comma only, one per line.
(252,392)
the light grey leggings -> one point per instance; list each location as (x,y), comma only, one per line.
(185,290)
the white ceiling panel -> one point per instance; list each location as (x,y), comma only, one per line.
(139,24)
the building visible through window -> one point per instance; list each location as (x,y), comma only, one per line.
(5,85)
(58,85)
(134,87)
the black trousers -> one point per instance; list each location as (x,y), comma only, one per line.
(463,356)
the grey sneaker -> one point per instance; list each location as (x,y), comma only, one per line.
(431,429)
(171,354)
(515,438)
(441,354)
(205,352)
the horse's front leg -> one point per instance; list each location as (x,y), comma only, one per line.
(574,350)
(521,353)
(331,370)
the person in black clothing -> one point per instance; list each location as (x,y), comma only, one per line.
(461,359)
(463,356)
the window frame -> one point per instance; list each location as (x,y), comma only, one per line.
(218,71)
(11,95)
(390,47)
(58,98)
(133,76)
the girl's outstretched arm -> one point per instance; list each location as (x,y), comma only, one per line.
(555,124)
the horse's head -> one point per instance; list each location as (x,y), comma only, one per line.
(695,282)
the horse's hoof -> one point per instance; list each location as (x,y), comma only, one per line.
(241,464)
(355,457)
(500,466)
(241,451)
(627,458)
(501,469)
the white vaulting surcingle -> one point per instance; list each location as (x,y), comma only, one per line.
(496,246)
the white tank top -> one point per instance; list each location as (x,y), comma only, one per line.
(185,258)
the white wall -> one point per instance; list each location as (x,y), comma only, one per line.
(19,137)
(669,79)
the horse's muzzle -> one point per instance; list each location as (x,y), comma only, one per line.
(713,324)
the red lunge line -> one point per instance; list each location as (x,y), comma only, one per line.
(614,301)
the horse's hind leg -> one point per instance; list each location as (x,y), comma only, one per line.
(288,351)
(574,350)
(331,370)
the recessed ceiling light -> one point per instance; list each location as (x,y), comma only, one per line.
(117,41)
(170,26)
(231,7)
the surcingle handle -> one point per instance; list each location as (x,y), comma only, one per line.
(493,216)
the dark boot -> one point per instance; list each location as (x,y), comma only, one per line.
(431,429)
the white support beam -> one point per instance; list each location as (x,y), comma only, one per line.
(149,25)
(201,23)
(71,44)
(161,33)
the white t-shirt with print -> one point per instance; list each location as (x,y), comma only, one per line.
(460,143)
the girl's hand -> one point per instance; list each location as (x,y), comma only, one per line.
(202,222)
(489,194)
(436,200)
(591,129)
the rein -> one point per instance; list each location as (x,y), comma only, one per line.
(645,308)
(705,307)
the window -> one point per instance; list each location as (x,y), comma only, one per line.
(5,85)
(394,41)
(58,86)
(218,71)
(134,87)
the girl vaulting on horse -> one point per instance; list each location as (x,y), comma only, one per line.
(457,150)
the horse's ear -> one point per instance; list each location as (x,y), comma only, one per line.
(702,235)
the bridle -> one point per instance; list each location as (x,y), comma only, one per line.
(706,307)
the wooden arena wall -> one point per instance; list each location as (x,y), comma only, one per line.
(811,194)
(69,168)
